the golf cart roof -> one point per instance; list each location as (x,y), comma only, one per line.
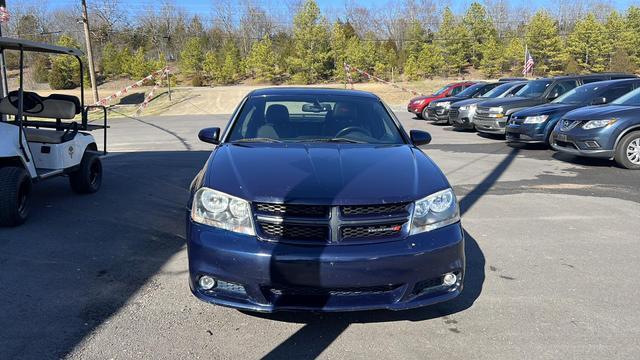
(7,43)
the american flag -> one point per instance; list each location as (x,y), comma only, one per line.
(4,15)
(528,64)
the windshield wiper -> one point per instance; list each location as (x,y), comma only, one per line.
(268,140)
(336,140)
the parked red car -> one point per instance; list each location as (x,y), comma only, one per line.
(418,105)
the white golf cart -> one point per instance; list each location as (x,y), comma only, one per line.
(36,143)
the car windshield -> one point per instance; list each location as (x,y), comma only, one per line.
(441,90)
(498,90)
(315,118)
(580,95)
(534,88)
(630,99)
(472,90)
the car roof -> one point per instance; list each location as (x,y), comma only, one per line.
(564,77)
(17,44)
(311,91)
(612,82)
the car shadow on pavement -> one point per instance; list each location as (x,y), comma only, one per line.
(322,329)
(79,259)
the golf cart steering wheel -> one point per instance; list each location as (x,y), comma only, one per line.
(350,129)
(70,132)
(30,101)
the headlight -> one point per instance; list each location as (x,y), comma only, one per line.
(419,102)
(215,208)
(445,104)
(435,211)
(498,109)
(595,124)
(471,107)
(535,119)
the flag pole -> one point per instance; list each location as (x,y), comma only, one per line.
(526,51)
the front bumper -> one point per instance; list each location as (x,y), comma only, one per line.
(415,109)
(576,144)
(438,115)
(493,126)
(267,276)
(461,119)
(525,133)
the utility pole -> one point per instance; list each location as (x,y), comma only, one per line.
(3,69)
(87,37)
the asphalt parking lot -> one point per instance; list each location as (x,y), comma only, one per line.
(553,243)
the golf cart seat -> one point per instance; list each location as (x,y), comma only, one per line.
(54,106)
(43,136)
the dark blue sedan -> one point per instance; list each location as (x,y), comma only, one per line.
(534,125)
(609,132)
(317,199)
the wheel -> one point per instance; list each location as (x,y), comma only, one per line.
(628,151)
(15,191)
(424,114)
(88,178)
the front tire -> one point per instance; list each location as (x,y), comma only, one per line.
(424,115)
(88,178)
(15,191)
(628,151)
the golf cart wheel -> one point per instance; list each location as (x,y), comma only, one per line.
(15,191)
(628,151)
(88,178)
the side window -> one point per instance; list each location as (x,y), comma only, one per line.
(515,89)
(591,80)
(616,92)
(562,87)
(456,90)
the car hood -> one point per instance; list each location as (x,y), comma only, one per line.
(427,97)
(547,109)
(330,174)
(468,102)
(599,112)
(513,102)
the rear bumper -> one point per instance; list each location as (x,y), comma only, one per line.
(267,276)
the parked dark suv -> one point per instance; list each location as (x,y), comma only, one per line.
(438,110)
(462,112)
(317,199)
(609,132)
(534,125)
(491,116)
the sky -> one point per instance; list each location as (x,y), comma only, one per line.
(204,6)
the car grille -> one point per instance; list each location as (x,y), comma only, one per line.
(312,224)
(453,114)
(347,291)
(398,208)
(385,230)
(566,125)
(293,210)
(289,231)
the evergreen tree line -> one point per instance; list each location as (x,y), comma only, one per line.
(314,49)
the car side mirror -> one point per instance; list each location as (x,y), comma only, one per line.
(599,101)
(419,137)
(210,135)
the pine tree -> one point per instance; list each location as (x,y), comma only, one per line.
(588,45)
(111,64)
(138,67)
(342,35)
(191,57)
(492,58)
(544,44)
(453,39)
(481,30)
(623,38)
(513,55)
(65,70)
(262,62)
(311,58)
